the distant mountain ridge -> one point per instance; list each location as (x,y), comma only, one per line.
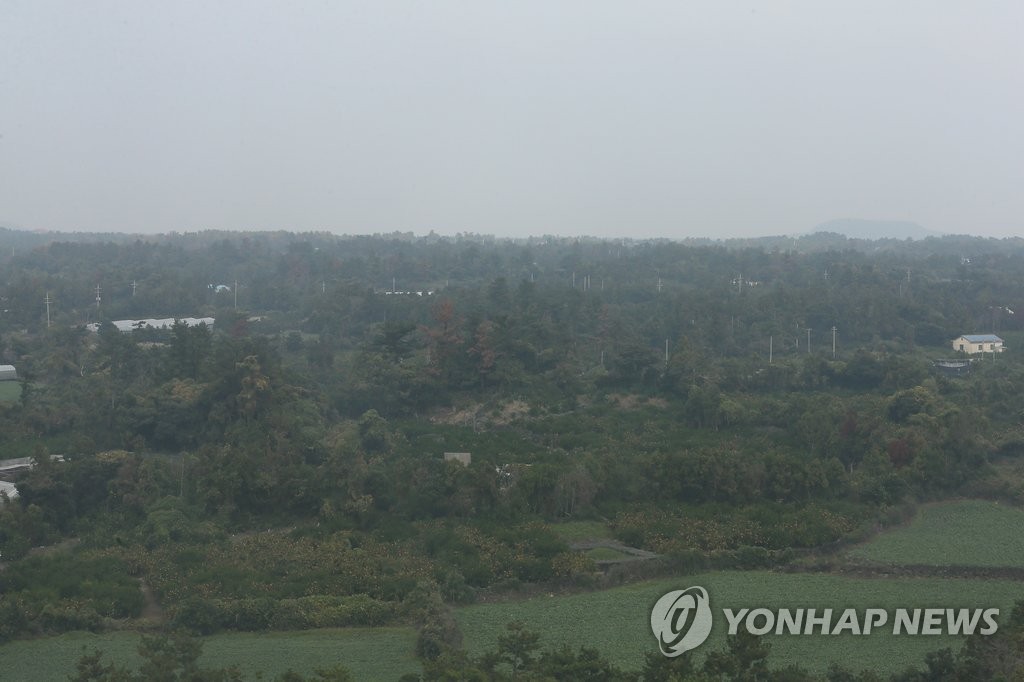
(858,228)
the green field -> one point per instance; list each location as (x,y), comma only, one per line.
(962,533)
(616,622)
(607,554)
(370,654)
(10,391)
(575,531)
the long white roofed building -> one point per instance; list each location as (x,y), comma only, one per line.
(153,323)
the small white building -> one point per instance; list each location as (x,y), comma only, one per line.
(127,326)
(8,373)
(9,489)
(463,458)
(978,343)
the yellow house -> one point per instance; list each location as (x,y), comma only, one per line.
(978,343)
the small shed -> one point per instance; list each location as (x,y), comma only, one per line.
(463,458)
(8,373)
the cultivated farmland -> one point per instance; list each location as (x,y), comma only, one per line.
(370,654)
(962,533)
(616,621)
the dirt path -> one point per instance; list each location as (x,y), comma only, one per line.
(152,611)
(634,552)
(62,546)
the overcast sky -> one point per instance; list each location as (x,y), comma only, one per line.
(666,119)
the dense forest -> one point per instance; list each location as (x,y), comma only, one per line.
(740,404)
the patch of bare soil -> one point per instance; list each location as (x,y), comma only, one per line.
(632,401)
(477,415)
(625,401)
(457,416)
(152,611)
(62,546)
(511,411)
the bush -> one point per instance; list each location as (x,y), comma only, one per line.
(437,635)
(206,616)
(752,557)
(199,615)
(66,616)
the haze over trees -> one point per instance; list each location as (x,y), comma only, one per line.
(284,469)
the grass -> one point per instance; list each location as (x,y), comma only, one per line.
(616,622)
(608,554)
(577,531)
(10,391)
(370,654)
(962,533)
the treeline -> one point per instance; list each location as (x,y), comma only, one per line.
(729,300)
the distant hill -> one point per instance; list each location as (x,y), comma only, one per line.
(856,228)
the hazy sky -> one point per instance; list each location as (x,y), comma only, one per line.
(513,118)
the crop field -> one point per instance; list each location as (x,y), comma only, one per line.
(370,654)
(616,622)
(962,533)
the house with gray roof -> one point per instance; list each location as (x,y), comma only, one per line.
(978,343)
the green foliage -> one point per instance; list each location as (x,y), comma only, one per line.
(323,405)
(206,616)
(65,592)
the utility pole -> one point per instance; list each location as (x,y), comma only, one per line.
(808,340)
(235,291)
(666,353)
(47,301)
(659,285)
(833,342)
(771,341)
(98,291)
(134,286)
